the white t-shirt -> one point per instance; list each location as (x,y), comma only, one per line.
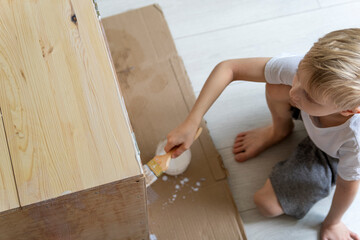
(341,141)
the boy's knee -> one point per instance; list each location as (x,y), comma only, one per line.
(266,206)
(277,92)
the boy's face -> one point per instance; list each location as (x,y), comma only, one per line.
(313,105)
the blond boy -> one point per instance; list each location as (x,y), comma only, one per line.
(323,90)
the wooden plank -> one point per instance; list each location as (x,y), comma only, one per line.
(8,193)
(113,211)
(187,17)
(327,3)
(269,38)
(60,100)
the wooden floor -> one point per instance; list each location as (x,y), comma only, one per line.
(207,32)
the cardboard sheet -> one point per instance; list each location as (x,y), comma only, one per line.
(158,97)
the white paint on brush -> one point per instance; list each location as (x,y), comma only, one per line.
(150,177)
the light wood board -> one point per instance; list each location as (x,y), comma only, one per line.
(60,100)
(8,194)
(116,210)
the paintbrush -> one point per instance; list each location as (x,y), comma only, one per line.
(159,164)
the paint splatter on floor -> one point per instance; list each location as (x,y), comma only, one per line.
(183,188)
(183,181)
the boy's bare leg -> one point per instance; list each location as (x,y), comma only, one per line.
(249,144)
(266,201)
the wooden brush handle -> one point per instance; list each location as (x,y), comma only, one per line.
(198,132)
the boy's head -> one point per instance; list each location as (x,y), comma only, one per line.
(330,73)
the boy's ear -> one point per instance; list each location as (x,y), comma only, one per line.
(350,112)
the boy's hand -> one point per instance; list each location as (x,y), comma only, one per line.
(182,136)
(337,231)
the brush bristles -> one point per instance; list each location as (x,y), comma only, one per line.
(155,167)
(150,177)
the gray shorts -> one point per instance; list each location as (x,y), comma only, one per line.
(304,178)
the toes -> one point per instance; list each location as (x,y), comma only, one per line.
(244,155)
(240,135)
(238,144)
(239,139)
(238,149)
(241,157)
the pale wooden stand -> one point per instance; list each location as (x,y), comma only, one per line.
(69,165)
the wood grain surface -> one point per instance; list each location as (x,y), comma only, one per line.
(116,210)
(60,100)
(8,195)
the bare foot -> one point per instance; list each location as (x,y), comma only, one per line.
(249,144)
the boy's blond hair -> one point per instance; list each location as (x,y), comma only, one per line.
(334,66)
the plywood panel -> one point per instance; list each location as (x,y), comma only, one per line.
(113,211)
(60,100)
(8,194)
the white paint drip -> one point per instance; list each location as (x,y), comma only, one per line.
(198,184)
(153,236)
(165,178)
(66,192)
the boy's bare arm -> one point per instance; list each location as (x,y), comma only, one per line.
(344,195)
(248,69)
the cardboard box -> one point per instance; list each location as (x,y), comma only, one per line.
(158,96)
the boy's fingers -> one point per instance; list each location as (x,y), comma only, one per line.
(354,236)
(168,146)
(176,153)
(179,151)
